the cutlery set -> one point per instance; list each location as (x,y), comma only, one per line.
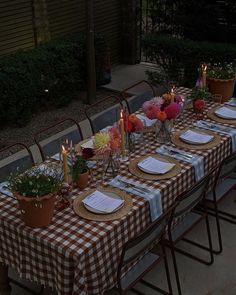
(133,186)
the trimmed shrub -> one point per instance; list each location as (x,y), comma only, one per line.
(179,58)
(49,76)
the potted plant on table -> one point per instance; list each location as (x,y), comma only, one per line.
(221,79)
(36,190)
(198,96)
(80,171)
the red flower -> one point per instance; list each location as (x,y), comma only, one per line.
(87,153)
(199,104)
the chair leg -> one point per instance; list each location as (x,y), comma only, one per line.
(5,287)
(167,270)
(209,249)
(171,245)
(215,214)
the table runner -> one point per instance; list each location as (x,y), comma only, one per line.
(80,257)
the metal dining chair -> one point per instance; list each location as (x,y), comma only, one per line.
(186,211)
(135,95)
(140,249)
(225,182)
(49,145)
(105,117)
(13,158)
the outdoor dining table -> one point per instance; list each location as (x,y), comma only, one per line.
(78,256)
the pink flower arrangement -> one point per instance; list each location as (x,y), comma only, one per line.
(105,142)
(115,138)
(151,107)
(172,110)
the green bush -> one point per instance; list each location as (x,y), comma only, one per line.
(49,76)
(179,58)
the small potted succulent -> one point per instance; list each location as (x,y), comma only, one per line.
(80,171)
(221,79)
(36,190)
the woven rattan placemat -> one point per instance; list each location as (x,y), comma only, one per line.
(83,212)
(211,114)
(175,138)
(134,169)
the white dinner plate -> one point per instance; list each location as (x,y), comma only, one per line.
(194,142)
(156,172)
(110,194)
(225,116)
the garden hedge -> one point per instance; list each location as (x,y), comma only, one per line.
(48,76)
(180,58)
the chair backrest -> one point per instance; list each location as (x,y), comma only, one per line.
(105,117)
(135,247)
(136,94)
(14,157)
(50,139)
(227,166)
(190,198)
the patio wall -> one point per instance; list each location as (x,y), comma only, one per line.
(24,23)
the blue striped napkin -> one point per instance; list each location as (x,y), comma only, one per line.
(4,189)
(152,195)
(219,128)
(195,160)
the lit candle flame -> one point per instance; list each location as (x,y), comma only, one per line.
(204,67)
(63,149)
(121,114)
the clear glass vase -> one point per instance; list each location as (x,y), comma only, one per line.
(163,131)
(111,164)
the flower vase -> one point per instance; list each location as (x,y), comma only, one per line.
(163,131)
(82,180)
(111,164)
(130,142)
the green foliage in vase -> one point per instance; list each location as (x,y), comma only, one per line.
(79,166)
(199,93)
(37,181)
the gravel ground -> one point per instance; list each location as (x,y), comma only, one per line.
(74,110)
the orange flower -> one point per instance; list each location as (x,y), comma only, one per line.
(161,116)
(167,97)
(132,118)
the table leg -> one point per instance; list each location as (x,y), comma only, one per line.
(5,288)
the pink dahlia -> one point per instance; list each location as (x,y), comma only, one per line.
(172,110)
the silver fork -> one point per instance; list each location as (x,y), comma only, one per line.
(173,152)
(134,187)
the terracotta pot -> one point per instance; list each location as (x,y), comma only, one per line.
(36,212)
(82,180)
(222,87)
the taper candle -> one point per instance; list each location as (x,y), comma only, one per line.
(204,72)
(65,164)
(122,131)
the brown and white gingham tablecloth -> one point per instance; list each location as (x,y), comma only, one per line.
(75,256)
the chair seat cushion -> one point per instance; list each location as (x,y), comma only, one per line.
(222,189)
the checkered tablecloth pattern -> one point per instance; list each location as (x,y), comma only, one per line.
(80,257)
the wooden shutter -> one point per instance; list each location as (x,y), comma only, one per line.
(16,25)
(107,20)
(67,16)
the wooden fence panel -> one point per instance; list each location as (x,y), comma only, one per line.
(16,25)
